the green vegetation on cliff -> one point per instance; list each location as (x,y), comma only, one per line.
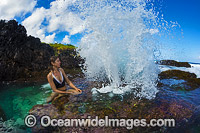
(58,47)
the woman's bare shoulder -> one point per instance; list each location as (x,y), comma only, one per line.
(49,75)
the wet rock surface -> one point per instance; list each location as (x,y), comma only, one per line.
(85,105)
(191,80)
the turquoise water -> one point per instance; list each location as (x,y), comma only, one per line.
(17,100)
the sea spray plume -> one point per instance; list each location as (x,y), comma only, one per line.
(118,46)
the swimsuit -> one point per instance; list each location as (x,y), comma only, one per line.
(57,83)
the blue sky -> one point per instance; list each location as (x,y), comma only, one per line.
(187,14)
(67,29)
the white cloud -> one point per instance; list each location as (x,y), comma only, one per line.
(49,38)
(54,24)
(9,8)
(34,26)
(57,18)
(33,22)
(66,40)
(60,18)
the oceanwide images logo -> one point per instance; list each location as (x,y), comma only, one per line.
(46,121)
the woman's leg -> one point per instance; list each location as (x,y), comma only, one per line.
(71,90)
(75,92)
(53,95)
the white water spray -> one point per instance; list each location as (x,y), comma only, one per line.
(118,46)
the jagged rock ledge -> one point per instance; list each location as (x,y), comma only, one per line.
(174,63)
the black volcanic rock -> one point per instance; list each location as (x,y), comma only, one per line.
(174,63)
(21,56)
(178,74)
(69,59)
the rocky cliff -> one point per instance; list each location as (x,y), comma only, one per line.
(21,56)
(25,58)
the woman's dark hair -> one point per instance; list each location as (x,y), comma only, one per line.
(52,59)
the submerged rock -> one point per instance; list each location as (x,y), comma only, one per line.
(60,101)
(2,114)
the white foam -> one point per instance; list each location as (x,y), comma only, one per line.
(46,86)
(194,69)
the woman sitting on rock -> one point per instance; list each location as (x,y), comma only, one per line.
(57,79)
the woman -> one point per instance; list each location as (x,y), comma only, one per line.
(57,79)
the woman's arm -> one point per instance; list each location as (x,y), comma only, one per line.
(50,80)
(68,81)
